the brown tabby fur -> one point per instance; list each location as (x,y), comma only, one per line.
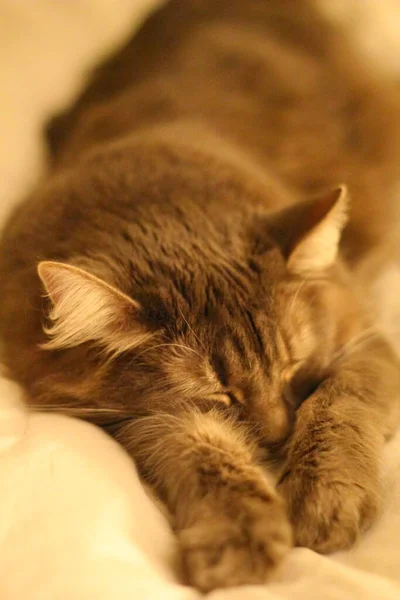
(212,353)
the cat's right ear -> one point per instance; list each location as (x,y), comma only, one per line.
(309,233)
(86,309)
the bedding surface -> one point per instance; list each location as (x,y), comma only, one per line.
(75,521)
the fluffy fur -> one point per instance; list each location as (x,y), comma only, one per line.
(84,309)
(205,284)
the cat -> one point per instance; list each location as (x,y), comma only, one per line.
(194,275)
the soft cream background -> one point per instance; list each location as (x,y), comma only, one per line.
(75,522)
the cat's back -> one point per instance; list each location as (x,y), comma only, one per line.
(200,58)
(272,76)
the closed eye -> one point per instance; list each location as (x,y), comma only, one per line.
(220,397)
(228,397)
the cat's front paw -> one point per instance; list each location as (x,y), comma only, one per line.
(329,508)
(236,544)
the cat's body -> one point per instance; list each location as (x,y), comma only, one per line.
(186,289)
(271,78)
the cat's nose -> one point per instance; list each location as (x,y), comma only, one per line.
(276,423)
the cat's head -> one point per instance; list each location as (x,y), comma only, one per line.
(256,329)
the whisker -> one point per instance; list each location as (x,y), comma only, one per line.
(103,417)
(357,341)
(72,407)
(191,329)
(181,346)
(296,296)
(321,281)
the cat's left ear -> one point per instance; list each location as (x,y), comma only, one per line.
(87,309)
(309,232)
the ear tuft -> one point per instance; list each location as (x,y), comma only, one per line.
(324,220)
(85,308)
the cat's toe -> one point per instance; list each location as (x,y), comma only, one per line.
(228,552)
(328,516)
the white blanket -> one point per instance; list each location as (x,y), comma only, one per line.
(75,522)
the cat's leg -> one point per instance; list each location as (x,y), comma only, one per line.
(332,479)
(231,523)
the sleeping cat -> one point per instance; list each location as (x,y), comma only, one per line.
(194,276)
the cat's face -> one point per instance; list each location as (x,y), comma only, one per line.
(257,333)
(262,355)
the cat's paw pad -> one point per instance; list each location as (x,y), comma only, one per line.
(328,514)
(237,547)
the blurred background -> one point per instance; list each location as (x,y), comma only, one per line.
(47,47)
